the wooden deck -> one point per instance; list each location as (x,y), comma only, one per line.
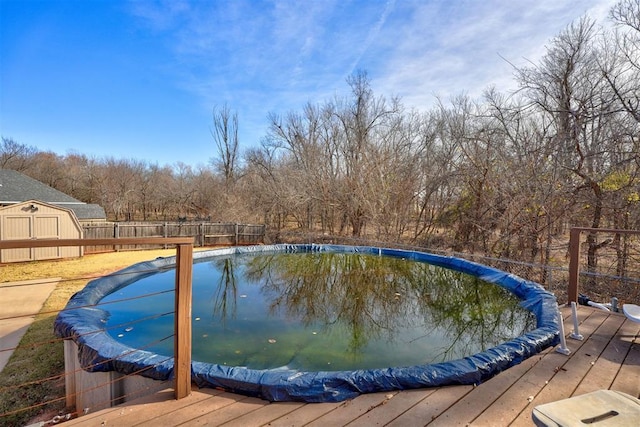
(607,358)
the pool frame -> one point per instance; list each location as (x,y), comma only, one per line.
(81,322)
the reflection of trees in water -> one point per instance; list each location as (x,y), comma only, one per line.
(226,292)
(371,296)
(475,314)
(328,289)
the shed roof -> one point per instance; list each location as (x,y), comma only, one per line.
(16,187)
(85,210)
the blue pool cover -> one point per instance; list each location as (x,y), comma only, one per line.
(83,322)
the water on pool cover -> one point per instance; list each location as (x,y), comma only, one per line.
(322,311)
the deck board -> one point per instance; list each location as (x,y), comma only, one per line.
(352,409)
(158,415)
(216,403)
(264,415)
(311,412)
(484,395)
(627,379)
(551,377)
(607,358)
(607,366)
(567,379)
(226,413)
(429,408)
(392,408)
(527,389)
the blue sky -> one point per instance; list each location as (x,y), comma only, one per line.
(139,79)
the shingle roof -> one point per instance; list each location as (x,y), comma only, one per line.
(16,187)
(85,210)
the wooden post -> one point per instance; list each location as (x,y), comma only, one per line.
(236,232)
(182,338)
(574,264)
(165,232)
(70,369)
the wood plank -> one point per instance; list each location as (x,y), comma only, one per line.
(156,413)
(476,401)
(264,415)
(145,406)
(606,367)
(627,380)
(10,244)
(182,320)
(567,380)
(431,407)
(95,418)
(218,415)
(514,400)
(351,409)
(202,408)
(310,412)
(392,408)
(199,403)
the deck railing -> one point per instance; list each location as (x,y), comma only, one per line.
(574,255)
(184,268)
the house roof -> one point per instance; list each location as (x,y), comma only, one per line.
(16,187)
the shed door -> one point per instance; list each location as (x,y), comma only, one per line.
(31,227)
(46,227)
(16,228)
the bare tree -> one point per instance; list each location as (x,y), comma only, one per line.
(620,59)
(589,124)
(534,204)
(14,155)
(436,178)
(627,12)
(364,119)
(225,136)
(49,168)
(267,182)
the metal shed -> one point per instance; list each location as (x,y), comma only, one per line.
(38,220)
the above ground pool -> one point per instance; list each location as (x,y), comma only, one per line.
(315,322)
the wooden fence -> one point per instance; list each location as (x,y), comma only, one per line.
(203,233)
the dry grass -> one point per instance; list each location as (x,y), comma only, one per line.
(88,265)
(76,272)
(23,382)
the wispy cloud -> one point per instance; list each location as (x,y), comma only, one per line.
(373,34)
(262,56)
(174,60)
(456,47)
(159,16)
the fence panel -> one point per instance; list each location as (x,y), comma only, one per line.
(251,234)
(204,234)
(220,234)
(99,231)
(130,230)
